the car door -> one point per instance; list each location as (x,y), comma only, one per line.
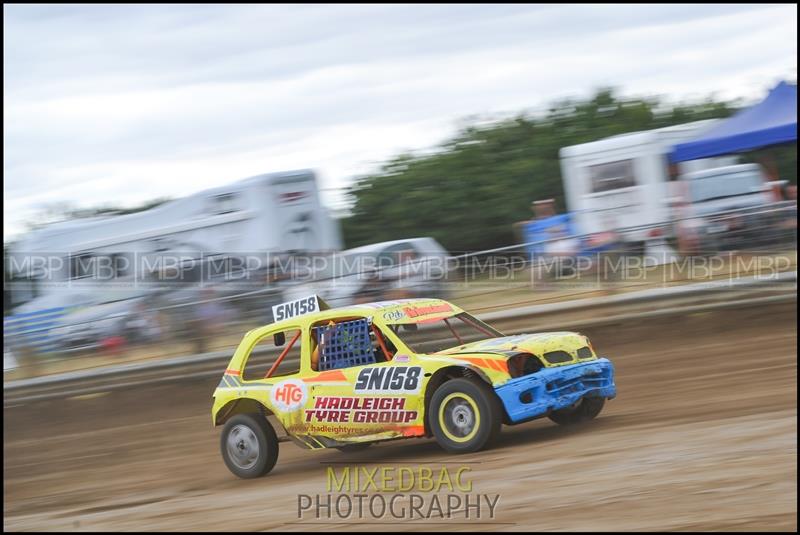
(357,397)
(275,374)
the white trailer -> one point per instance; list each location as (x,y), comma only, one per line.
(622,181)
(261,215)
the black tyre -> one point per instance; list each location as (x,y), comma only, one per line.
(249,445)
(586,409)
(464,416)
(353,448)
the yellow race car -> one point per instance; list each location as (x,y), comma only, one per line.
(348,377)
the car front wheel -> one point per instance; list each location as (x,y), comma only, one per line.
(464,416)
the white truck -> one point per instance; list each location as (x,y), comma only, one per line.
(622,182)
(729,207)
(97,258)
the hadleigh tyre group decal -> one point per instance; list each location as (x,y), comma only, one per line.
(360,410)
(384,379)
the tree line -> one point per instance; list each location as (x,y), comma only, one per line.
(469,191)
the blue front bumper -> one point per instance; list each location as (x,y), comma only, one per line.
(551,389)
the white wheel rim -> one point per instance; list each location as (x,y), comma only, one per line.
(242,446)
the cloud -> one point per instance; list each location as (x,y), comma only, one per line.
(125,103)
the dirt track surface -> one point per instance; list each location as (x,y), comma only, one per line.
(702,436)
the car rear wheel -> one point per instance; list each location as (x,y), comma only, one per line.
(249,446)
(464,416)
(586,409)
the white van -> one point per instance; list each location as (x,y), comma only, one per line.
(414,267)
(621,182)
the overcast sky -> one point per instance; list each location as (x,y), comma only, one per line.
(121,104)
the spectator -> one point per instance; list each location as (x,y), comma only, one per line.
(113,345)
(541,210)
(142,325)
(210,315)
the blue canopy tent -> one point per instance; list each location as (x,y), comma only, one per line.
(770,122)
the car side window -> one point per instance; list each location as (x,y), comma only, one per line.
(348,343)
(278,353)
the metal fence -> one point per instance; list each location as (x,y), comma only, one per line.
(154,325)
(35,328)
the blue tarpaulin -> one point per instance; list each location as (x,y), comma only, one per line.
(771,122)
